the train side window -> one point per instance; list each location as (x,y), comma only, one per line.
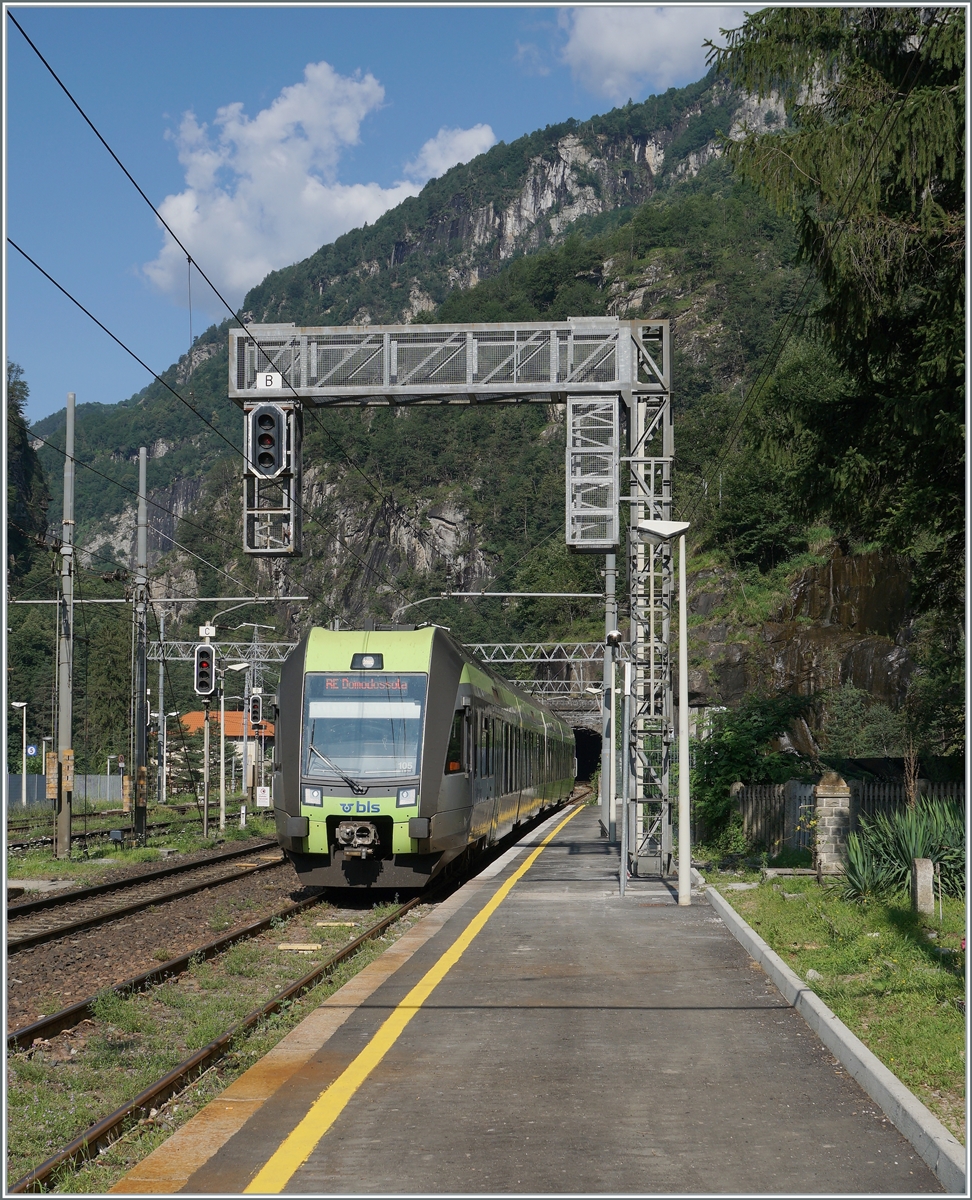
(454,755)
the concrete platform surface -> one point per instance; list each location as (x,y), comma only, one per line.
(580,1043)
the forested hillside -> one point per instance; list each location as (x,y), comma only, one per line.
(796,490)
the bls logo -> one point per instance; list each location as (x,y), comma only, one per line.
(362,807)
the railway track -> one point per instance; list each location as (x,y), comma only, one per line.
(154,827)
(103,1132)
(79,815)
(34,923)
(121,817)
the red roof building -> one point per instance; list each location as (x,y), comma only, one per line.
(193,722)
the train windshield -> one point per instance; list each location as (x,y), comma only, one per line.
(363,726)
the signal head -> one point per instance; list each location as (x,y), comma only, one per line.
(268,440)
(204,674)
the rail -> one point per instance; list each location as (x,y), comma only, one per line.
(101,1133)
(37,937)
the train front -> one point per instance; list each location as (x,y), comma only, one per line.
(363,725)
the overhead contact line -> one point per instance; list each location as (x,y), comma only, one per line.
(228,307)
(235,449)
(189,258)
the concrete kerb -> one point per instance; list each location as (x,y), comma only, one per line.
(943,1153)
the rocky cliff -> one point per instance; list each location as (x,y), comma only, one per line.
(844,620)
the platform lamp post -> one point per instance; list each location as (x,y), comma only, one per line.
(657,532)
(22,705)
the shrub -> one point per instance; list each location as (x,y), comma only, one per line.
(867,875)
(740,748)
(879,858)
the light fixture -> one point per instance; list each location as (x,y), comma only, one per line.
(657,532)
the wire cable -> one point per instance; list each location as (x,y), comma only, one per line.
(127,349)
(234,315)
(235,449)
(132,492)
(190,261)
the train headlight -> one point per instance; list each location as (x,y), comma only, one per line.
(407,797)
(313,796)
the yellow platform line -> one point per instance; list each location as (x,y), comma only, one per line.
(298,1146)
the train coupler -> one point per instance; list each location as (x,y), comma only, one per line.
(358,839)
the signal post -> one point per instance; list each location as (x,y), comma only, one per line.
(204,683)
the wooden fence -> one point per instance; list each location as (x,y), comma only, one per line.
(778,815)
(873,796)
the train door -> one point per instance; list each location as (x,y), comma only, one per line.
(484,790)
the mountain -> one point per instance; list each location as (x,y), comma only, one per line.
(633,213)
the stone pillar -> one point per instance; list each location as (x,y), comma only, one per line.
(922,885)
(832,803)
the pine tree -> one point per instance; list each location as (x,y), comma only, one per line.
(870,164)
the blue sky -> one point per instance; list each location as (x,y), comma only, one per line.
(263,133)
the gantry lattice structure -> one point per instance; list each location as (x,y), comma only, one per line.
(613,376)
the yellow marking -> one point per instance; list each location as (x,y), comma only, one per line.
(336,924)
(298,1146)
(299,946)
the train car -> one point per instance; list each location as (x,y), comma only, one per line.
(397,752)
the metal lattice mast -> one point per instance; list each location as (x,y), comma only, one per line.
(651,594)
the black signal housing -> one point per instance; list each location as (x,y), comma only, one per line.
(268,440)
(204,673)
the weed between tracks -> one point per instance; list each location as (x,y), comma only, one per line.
(895,978)
(59,1088)
(39,862)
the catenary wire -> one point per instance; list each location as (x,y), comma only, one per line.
(190,263)
(235,449)
(169,511)
(132,492)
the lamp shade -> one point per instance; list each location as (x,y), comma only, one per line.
(662,531)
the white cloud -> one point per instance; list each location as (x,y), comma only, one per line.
(634,51)
(262,193)
(448,147)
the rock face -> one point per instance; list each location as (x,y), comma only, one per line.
(846,621)
(116,535)
(512,200)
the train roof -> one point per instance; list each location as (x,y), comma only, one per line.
(410,649)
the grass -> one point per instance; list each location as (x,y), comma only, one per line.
(38,862)
(57,1091)
(894,977)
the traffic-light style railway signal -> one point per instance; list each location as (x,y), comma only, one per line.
(204,674)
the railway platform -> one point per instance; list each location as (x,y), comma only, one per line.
(535,1034)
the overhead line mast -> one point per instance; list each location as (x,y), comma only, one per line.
(612,375)
(64,784)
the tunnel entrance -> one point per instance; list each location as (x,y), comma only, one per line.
(588,750)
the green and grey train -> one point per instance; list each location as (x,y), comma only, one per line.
(396,752)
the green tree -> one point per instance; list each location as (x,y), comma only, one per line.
(870,164)
(741,748)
